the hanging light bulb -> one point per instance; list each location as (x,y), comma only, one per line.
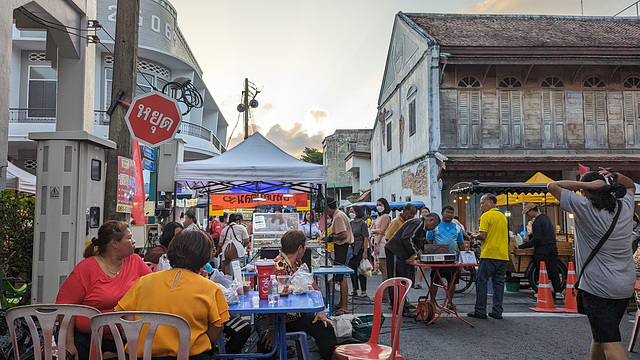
(288,194)
(259,198)
(455,201)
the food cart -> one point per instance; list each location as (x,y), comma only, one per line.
(521,265)
(268,228)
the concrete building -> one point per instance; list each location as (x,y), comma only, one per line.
(57,86)
(335,149)
(498,98)
(163,56)
(358,163)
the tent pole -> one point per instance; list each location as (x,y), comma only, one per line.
(326,218)
(208,206)
(175,199)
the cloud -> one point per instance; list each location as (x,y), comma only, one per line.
(318,115)
(294,140)
(267,107)
(522,7)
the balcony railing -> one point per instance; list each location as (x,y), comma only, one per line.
(194,130)
(32,116)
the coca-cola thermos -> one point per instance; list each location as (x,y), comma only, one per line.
(264,269)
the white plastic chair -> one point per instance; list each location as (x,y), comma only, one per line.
(120,324)
(46,315)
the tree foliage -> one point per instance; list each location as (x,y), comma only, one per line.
(311,155)
(16,231)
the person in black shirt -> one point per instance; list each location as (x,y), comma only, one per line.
(543,240)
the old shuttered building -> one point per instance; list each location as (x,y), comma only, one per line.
(502,97)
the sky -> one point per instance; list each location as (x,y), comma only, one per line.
(319,64)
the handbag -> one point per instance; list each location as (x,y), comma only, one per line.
(591,256)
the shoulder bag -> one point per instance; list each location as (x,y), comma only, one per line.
(592,255)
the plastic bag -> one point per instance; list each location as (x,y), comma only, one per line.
(229,287)
(365,268)
(163,263)
(342,325)
(301,280)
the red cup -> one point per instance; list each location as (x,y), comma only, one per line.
(264,269)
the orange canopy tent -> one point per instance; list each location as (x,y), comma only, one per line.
(537,178)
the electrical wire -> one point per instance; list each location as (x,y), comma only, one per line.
(41,20)
(234,129)
(188,94)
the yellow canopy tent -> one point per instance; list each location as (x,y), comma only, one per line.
(537,178)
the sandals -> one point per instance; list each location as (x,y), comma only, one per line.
(341,311)
(364,294)
(353,293)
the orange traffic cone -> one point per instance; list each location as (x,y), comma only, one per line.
(545,298)
(570,302)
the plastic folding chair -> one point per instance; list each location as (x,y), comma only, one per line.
(151,266)
(302,348)
(636,321)
(371,349)
(46,316)
(130,323)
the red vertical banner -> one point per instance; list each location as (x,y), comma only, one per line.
(137,211)
(126,180)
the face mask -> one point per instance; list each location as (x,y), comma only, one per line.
(380,208)
(352,215)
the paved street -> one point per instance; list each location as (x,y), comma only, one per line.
(521,334)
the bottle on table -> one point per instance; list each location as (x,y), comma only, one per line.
(274,296)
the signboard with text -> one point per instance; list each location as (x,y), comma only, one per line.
(245,200)
(126,184)
(153,118)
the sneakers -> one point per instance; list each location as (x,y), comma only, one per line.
(474,314)
(495,316)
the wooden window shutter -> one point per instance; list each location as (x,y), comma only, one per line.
(547,119)
(601,118)
(631,104)
(516,118)
(475,117)
(505,118)
(463,118)
(589,119)
(559,119)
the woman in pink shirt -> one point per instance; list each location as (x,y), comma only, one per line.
(378,231)
(109,269)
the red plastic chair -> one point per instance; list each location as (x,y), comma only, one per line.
(371,349)
(151,266)
(636,321)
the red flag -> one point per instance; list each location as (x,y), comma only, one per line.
(583,169)
(138,198)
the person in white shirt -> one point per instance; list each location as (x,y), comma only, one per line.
(309,226)
(234,239)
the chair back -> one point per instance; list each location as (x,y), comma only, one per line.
(400,287)
(130,323)
(151,266)
(46,315)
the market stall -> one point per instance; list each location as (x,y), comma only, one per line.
(520,264)
(256,169)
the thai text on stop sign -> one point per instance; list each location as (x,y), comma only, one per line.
(157,118)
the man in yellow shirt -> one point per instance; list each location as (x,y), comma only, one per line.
(408,212)
(494,236)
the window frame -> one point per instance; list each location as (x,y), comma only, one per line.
(29,80)
(388,135)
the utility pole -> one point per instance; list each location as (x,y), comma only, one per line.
(124,79)
(245,101)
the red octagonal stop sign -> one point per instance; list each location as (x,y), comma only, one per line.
(153,118)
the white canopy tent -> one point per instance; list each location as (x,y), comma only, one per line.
(254,165)
(20,180)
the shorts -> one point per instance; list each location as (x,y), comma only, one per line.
(604,316)
(341,258)
(445,273)
(380,245)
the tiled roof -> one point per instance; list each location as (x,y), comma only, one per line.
(529,31)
